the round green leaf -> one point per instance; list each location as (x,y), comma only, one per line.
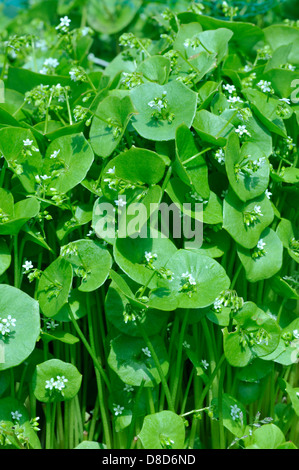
(71,164)
(54,286)
(208,279)
(164,430)
(287,234)
(91,262)
(266,265)
(9,405)
(246,185)
(54,368)
(181,102)
(128,360)
(111,17)
(234,213)
(117,306)
(18,344)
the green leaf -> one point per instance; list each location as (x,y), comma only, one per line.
(155,69)
(235,426)
(109,124)
(208,278)
(111,17)
(19,343)
(54,286)
(91,263)
(91,445)
(9,405)
(181,103)
(51,369)
(246,184)
(164,430)
(234,213)
(60,335)
(5,256)
(211,128)
(287,234)
(132,365)
(268,436)
(25,166)
(266,265)
(71,164)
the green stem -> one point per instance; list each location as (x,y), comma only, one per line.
(179,357)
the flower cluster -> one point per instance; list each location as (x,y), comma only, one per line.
(247,166)
(250,217)
(236,413)
(6,325)
(57,384)
(188,284)
(160,108)
(259,250)
(228,298)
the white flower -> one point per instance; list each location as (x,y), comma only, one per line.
(50,384)
(51,63)
(285,100)
(234,99)
(111,171)
(51,325)
(242,130)
(257,210)
(189,278)
(128,388)
(204,364)
(118,410)
(60,382)
(291,67)
(268,194)
(261,244)
(16,416)
(264,86)
(146,351)
(120,202)
(27,142)
(296,334)
(229,88)
(150,256)
(235,412)
(219,155)
(247,68)
(27,266)
(55,154)
(73,75)
(186,345)
(64,23)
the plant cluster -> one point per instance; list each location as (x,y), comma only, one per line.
(111,334)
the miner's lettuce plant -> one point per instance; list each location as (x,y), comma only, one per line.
(115,331)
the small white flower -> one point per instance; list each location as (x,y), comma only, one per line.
(50,384)
(291,67)
(27,142)
(111,171)
(242,130)
(128,388)
(296,334)
(120,202)
(55,154)
(235,412)
(189,278)
(257,210)
(60,382)
(261,244)
(64,23)
(285,100)
(219,155)
(27,266)
(146,351)
(150,256)
(51,325)
(51,63)
(16,416)
(234,99)
(268,193)
(73,75)
(264,86)
(247,68)
(186,345)
(229,88)
(204,364)
(118,410)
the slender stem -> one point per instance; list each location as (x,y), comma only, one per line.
(179,357)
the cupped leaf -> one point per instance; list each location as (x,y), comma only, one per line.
(111,17)
(121,313)
(155,69)
(67,162)
(268,436)
(180,108)
(289,237)
(91,263)
(54,286)
(246,221)
(22,212)
(247,169)
(131,360)
(65,385)
(197,280)
(109,124)
(212,128)
(20,326)
(24,160)
(265,260)
(164,430)
(10,407)
(131,255)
